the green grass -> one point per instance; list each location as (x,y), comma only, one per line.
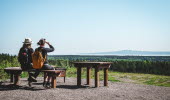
(159,81)
(137,78)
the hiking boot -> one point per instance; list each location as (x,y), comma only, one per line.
(29,83)
(31,79)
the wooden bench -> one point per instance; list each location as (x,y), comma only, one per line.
(53,74)
(15,73)
(63,72)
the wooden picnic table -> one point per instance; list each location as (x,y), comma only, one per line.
(89,66)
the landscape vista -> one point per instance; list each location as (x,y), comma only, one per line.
(124,44)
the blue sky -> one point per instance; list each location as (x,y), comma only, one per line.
(85,26)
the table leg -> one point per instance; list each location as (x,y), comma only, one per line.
(88,75)
(78,76)
(105,76)
(96,77)
(11,77)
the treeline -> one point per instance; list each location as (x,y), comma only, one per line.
(7,60)
(149,67)
(110,58)
(126,65)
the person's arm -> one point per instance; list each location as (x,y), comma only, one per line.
(19,54)
(31,51)
(51,49)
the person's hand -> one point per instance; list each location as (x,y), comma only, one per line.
(47,43)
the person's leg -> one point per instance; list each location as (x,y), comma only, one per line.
(29,69)
(48,79)
(30,79)
(31,73)
(37,72)
(45,79)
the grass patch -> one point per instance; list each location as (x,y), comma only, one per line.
(148,79)
(158,81)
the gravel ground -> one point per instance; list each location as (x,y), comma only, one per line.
(69,91)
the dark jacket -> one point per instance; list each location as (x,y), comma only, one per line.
(45,51)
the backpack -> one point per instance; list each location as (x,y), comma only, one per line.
(24,59)
(37,59)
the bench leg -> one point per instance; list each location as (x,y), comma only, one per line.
(11,78)
(16,79)
(64,79)
(53,82)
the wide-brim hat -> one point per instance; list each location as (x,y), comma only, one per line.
(28,41)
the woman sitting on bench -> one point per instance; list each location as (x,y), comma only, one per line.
(25,59)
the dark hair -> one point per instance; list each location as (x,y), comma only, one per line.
(26,45)
(41,42)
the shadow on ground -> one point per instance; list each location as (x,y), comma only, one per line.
(71,86)
(7,87)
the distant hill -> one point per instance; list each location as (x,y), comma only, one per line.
(131,53)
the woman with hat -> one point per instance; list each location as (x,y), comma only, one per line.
(25,58)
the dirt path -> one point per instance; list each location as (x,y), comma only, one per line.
(69,91)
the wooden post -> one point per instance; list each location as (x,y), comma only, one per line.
(78,76)
(88,75)
(53,81)
(16,79)
(105,76)
(11,77)
(96,76)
